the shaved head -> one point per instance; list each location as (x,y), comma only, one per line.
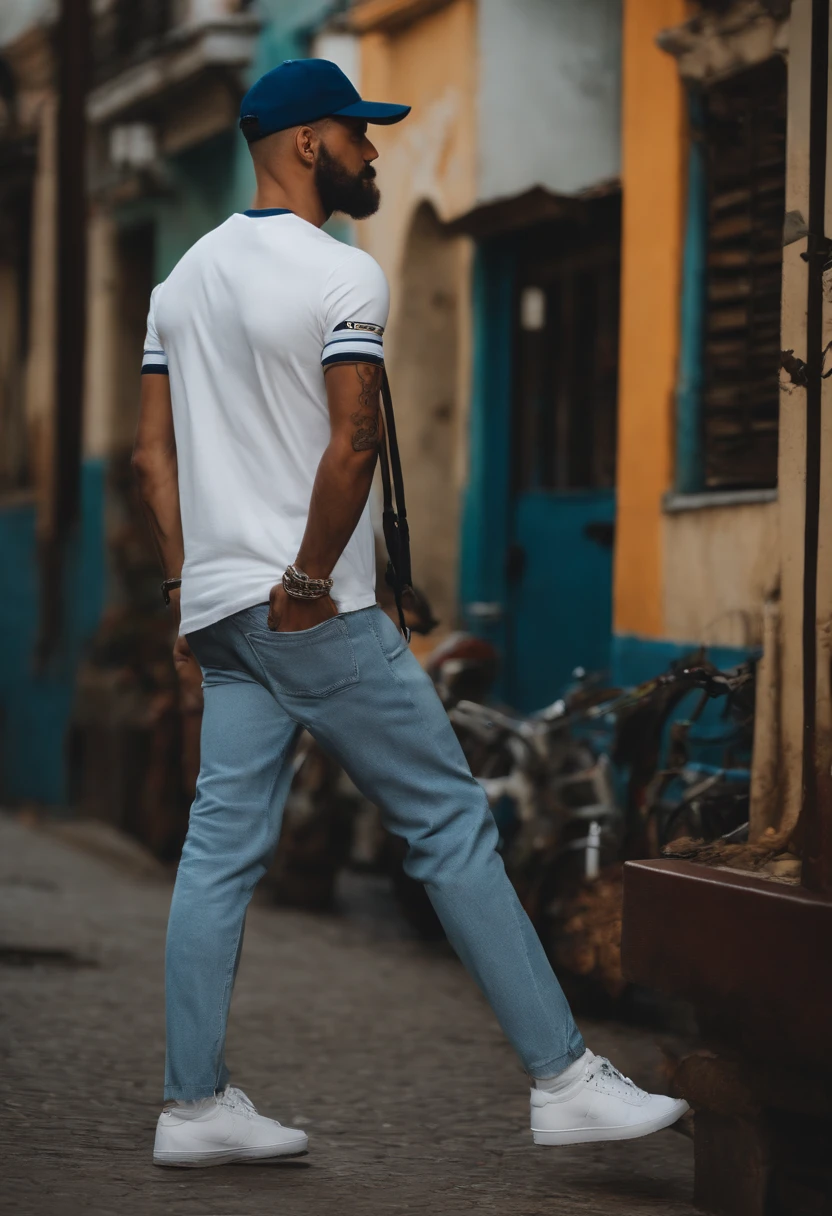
(273,148)
(332,156)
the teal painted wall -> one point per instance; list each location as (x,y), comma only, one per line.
(485,515)
(35,706)
(636,659)
(688,476)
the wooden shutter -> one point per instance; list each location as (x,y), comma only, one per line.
(745,136)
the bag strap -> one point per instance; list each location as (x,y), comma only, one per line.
(394,515)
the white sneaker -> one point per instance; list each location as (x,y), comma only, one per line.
(600,1105)
(229,1129)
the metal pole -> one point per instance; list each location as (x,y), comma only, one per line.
(71,225)
(816,818)
(72,258)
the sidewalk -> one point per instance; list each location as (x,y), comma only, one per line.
(381,1049)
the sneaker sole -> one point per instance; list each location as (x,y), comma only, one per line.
(239,1156)
(630,1131)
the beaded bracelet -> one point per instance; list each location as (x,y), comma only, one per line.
(301,587)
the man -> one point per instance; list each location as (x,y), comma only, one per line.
(255,453)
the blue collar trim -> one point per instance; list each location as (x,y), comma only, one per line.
(256,214)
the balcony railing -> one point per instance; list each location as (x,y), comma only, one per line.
(129,30)
(126,32)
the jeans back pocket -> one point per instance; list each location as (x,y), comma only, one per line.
(313,663)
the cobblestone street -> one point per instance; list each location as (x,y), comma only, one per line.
(379,1047)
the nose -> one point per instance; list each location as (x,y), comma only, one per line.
(370,151)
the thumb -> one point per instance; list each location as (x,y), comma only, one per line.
(181,649)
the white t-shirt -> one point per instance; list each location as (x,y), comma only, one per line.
(244,325)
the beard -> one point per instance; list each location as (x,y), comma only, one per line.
(356,195)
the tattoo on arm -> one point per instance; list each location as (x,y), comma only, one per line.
(365,435)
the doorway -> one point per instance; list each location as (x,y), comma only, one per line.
(545,413)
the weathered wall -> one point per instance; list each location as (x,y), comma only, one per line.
(424,370)
(549,95)
(720,564)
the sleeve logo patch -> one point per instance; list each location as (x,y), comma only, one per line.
(363,327)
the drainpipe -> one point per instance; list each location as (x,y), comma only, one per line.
(815,826)
(689,462)
(73,46)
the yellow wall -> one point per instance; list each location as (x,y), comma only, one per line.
(429,64)
(653,174)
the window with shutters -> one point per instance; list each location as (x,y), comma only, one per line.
(745,144)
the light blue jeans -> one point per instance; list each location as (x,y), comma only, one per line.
(353,683)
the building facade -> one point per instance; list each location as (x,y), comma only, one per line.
(729,520)
(712,395)
(165,163)
(574,369)
(602,470)
(476,183)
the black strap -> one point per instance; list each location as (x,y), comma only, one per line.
(394,516)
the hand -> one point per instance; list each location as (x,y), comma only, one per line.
(288,615)
(189,674)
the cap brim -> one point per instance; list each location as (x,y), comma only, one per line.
(381,112)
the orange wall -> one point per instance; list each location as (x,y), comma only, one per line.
(653,173)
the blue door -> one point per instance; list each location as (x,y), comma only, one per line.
(540,517)
(560,603)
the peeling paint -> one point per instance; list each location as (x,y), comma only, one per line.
(794,227)
(716,43)
(826,285)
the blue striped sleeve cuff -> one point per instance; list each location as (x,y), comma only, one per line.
(154,362)
(362,346)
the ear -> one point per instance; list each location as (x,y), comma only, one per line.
(306,145)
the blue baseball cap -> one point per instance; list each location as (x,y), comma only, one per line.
(304,90)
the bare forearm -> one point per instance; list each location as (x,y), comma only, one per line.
(345,473)
(159,493)
(339,495)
